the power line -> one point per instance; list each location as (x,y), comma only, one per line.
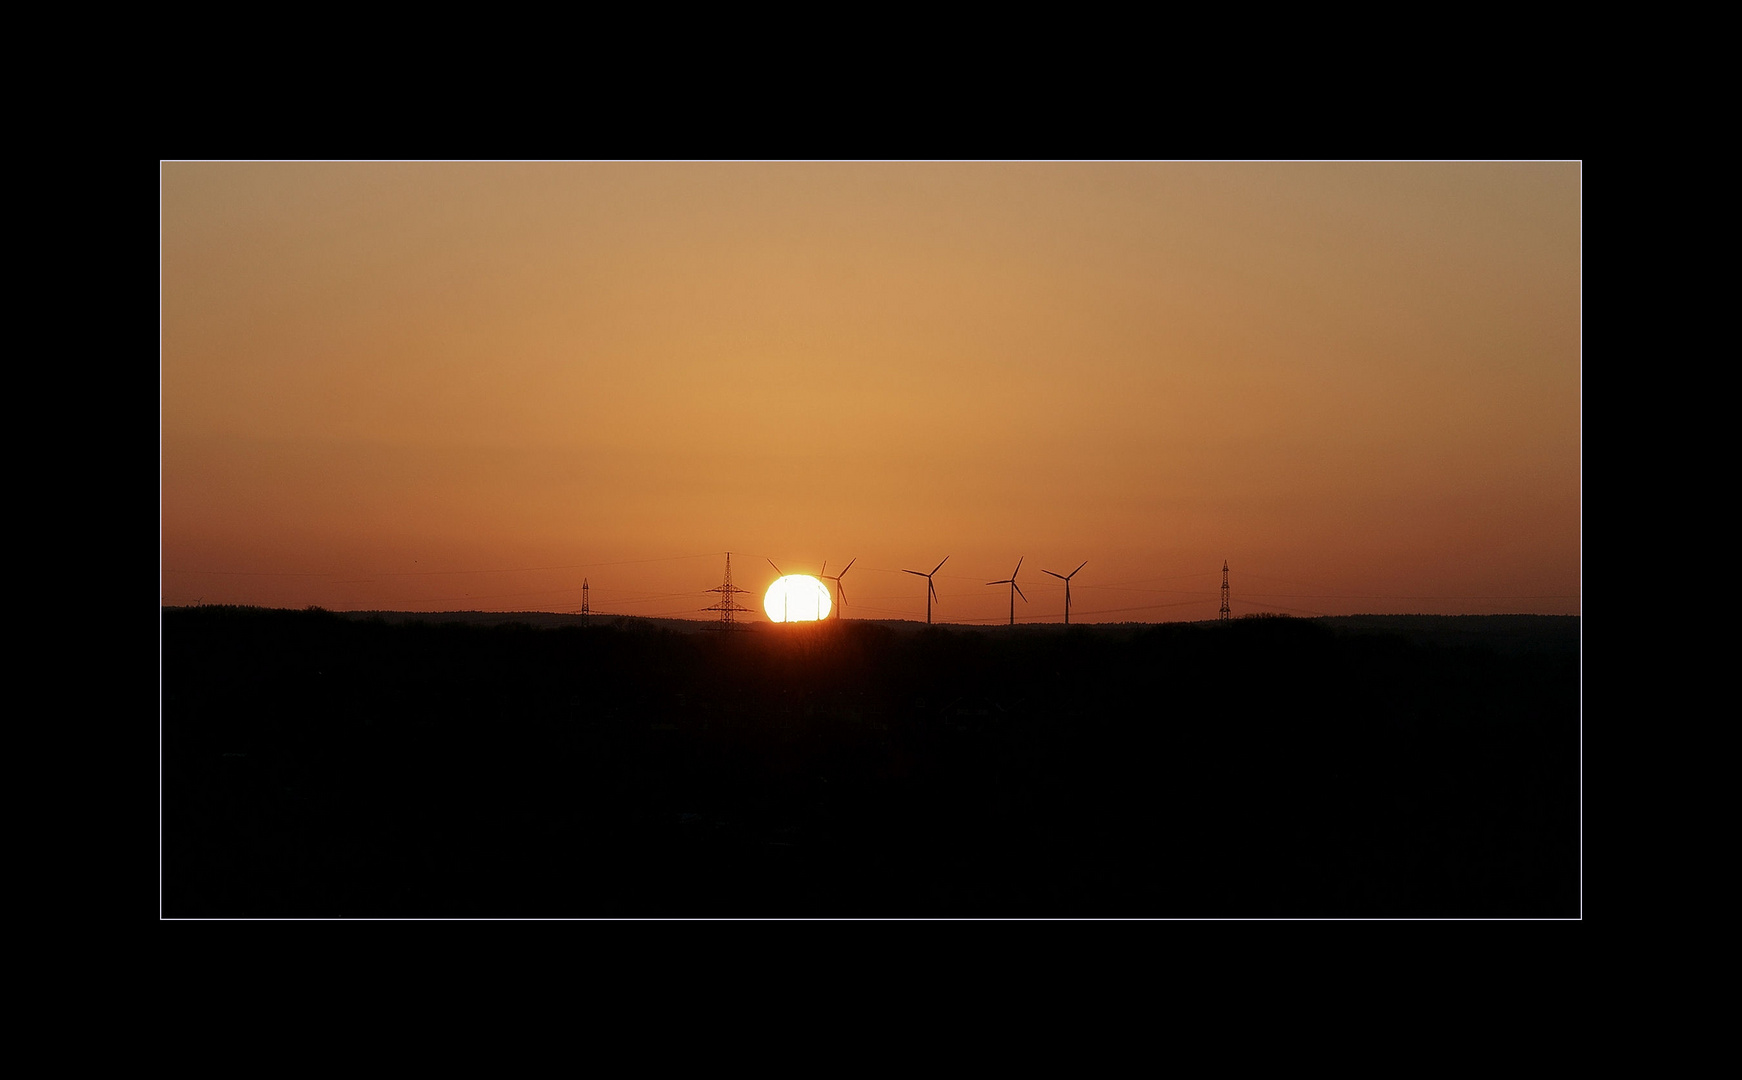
(438,573)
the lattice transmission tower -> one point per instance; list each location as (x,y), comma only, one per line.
(1224,590)
(728,604)
(586,605)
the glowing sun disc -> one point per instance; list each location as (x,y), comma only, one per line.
(797,598)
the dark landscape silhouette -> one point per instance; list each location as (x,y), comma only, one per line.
(379,764)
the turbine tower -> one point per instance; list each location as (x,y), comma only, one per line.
(784,602)
(1066,578)
(728,604)
(840,594)
(1015,589)
(1224,590)
(930,589)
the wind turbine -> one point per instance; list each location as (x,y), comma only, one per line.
(840,594)
(783,600)
(1015,589)
(1066,578)
(930,589)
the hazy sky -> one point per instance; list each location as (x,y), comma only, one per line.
(468,386)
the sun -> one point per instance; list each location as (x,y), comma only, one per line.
(797,598)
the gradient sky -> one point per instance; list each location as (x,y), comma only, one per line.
(432,387)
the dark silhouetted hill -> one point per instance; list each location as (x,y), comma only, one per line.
(317,764)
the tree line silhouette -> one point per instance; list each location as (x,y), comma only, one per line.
(319,765)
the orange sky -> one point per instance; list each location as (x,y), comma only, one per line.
(467,386)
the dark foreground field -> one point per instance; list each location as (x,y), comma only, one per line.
(315,765)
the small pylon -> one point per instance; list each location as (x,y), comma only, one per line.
(586,605)
(1224,590)
(728,604)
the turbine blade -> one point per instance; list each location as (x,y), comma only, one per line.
(777,569)
(1061,577)
(934,590)
(1006,581)
(825,567)
(1084,563)
(940,565)
(1018,589)
(921,573)
(850,563)
(843,592)
(1018,569)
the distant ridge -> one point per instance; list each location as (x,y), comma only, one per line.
(1505,633)
(541,620)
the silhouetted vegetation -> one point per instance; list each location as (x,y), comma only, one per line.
(320,765)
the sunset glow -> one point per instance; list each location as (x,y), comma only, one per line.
(1193,540)
(472,386)
(797,598)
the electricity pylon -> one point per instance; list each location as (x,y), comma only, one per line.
(728,605)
